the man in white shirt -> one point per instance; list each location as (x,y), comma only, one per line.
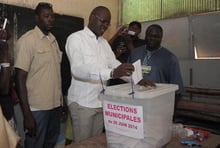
(92,62)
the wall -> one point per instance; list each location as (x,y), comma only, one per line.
(79,8)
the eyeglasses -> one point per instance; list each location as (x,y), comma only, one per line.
(103,21)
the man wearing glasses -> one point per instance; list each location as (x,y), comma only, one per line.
(92,63)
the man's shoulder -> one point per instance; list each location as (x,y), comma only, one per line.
(76,34)
(28,35)
(166,51)
(169,54)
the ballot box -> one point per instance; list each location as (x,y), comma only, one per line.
(138,116)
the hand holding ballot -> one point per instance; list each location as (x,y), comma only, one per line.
(133,70)
(125,69)
(137,76)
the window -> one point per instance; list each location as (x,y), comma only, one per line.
(147,10)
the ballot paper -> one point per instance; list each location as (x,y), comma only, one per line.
(137,74)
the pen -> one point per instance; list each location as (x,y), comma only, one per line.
(4,24)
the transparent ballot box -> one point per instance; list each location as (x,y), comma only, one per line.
(140,117)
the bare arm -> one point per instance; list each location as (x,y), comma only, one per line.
(20,85)
(129,42)
(120,32)
(5,72)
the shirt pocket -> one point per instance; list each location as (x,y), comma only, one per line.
(43,57)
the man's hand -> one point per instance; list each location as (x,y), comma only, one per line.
(30,125)
(64,112)
(145,82)
(120,49)
(122,31)
(125,69)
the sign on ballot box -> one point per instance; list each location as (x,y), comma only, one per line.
(124,119)
(141,119)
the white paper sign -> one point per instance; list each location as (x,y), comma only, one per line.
(137,74)
(124,119)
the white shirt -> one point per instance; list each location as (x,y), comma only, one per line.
(90,58)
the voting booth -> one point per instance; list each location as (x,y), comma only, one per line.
(138,116)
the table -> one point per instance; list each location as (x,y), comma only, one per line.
(100,142)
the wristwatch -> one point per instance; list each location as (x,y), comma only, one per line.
(4,65)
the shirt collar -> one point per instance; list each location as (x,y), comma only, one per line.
(90,33)
(153,51)
(42,35)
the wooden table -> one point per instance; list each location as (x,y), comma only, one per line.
(211,142)
(100,142)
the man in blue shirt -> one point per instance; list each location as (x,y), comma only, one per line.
(158,63)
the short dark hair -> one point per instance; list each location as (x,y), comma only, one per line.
(154,26)
(138,24)
(42,5)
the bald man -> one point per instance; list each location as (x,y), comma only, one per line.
(92,62)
